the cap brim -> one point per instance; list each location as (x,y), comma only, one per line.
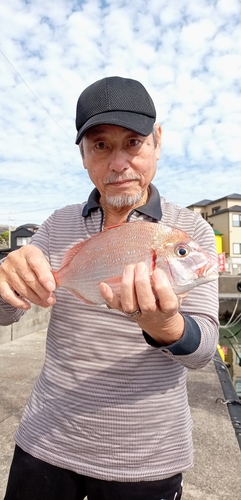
(141,124)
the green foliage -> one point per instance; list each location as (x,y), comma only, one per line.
(4,238)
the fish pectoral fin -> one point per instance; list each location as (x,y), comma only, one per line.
(114,283)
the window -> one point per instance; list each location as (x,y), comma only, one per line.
(215,209)
(21,241)
(237,248)
(236,220)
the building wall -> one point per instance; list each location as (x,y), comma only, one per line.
(233,201)
(235,235)
(223,222)
(220,222)
(35,319)
(222,204)
(19,233)
(197,210)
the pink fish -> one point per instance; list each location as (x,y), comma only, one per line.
(104,256)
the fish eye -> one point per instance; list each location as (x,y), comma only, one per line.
(182,251)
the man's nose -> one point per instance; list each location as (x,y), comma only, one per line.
(118,161)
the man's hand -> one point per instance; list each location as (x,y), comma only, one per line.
(26,274)
(159,315)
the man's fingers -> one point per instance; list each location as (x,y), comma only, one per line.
(22,301)
(30,264)
(41,268)
(27,272)
(128,294)
(110,298)
(12,298)
(145,297)
(168,301)
(138,291)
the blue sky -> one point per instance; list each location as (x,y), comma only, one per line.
(186,53)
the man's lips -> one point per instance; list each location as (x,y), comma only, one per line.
(118,183)
(121,182)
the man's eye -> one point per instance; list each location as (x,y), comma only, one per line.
(100,145)
(134,142)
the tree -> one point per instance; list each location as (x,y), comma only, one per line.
(4,238)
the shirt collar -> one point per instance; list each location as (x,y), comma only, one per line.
(152,208)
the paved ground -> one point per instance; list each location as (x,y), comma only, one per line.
(216,474)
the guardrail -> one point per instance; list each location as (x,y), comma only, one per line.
(231,398)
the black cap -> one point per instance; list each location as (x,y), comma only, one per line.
(115,101)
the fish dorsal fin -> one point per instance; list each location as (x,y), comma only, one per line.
(71,253)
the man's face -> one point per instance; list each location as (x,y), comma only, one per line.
(120,163)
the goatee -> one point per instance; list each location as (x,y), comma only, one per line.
(124,200)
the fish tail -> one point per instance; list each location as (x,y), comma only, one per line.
(55,275)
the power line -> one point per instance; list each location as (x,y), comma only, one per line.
(30,211)
(37,99)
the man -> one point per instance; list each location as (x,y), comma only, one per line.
(109,416)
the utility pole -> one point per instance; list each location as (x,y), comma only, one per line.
(9,230)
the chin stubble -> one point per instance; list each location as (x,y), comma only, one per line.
(124,199)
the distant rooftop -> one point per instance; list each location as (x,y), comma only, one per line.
(203,203)
(235,208)
(31,227)
(234,195)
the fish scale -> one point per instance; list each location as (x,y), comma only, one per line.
(104,256)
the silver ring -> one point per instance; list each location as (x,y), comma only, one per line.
(134,314)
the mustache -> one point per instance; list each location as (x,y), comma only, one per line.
(117,177)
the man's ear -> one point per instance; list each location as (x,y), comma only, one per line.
(81,150)
(158,136)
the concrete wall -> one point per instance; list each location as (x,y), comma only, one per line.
(228,284)
(35,319)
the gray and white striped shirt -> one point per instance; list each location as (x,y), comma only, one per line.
(108,404)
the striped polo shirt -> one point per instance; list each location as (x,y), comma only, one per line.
(110,402)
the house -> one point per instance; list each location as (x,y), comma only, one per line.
(19,237)
(22,235)
(224,215)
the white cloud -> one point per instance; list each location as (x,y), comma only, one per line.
(186,53)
